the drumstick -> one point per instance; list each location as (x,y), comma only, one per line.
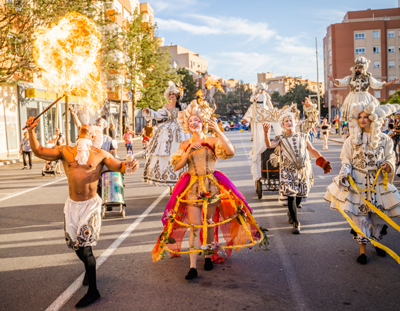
(55,102)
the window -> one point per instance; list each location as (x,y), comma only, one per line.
(359,36)
(330,68)
(391,92)
(391,49)
(391,34)
(391,64)
(329,39)
(391,78)
(330,53)
(360,51)
(376,49)
(118,6)
(276,90)
(377,64)
(377,94)
(375,34)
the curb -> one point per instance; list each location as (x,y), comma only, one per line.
(7,162)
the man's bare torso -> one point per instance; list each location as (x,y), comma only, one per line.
(82,179)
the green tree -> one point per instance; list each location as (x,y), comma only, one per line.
(189,86)
(133,60)
(18,21)
(233,103)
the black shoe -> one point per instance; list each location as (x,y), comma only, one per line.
(25,168)
(30,168)
(362,259)
(300,206)
(290,220)
(87,300)
(191,274)
(380,252)
(296,228)
(85,281)
(208,265)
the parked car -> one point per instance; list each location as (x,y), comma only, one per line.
(226,126)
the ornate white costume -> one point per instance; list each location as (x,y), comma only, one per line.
(359,85)
(164,143)
(362,156)
(256,116)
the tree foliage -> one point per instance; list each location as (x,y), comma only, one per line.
(233,103)
(189,86)
(18,21)
(132,52)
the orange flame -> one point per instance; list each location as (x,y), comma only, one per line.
(68,54)
(210,83)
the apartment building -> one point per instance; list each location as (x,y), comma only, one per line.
(184,58)
(374,34)
(282,84)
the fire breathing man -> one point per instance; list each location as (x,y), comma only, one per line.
(83,164)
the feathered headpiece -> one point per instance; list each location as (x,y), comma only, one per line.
(177,90)
(199,107)
(289,112)
(360,61)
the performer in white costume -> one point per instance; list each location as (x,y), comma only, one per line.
(261,102)
(359,81)
(165,141)
(296,175)
(366,151)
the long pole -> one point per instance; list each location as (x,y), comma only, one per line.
(318,94)
(55,102)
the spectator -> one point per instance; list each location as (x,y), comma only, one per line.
(25,150)
(311,135)
(385,128)
(112,132)
(128,139)
(148,130)
(345,132)
(318,132)
(325,127)
(58,139)
(337,127)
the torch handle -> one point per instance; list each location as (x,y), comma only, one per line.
(55,102)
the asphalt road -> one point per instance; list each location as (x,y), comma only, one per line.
(315,270)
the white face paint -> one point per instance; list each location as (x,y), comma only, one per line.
(289,124)
(195,124)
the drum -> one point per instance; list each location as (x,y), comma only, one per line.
(112,187)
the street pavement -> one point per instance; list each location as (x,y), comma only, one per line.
(315,270)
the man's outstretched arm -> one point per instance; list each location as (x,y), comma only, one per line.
(48,154)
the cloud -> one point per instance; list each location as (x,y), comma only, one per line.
(160,5)
(219,26)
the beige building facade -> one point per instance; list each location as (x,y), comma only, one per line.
(282,84)
(184,58)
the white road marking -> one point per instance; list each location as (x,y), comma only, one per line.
(288,268)
(323,177)
(32,189)
(70,291)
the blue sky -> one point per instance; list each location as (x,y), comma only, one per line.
(240,38)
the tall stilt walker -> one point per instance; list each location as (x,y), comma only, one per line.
(261,102)
(158,169)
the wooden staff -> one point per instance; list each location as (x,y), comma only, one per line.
(38,116)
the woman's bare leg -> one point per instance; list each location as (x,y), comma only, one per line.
(194,217)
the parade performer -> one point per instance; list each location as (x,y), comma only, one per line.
(359,81)
(165,141)
(83,164)
(204,199)
(364,186)
(296,175)
(261,102)
(312,117)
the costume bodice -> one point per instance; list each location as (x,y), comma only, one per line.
(202,161)
(359,84)
(172,114)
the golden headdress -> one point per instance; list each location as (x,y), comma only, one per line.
(172,87)
(199,107)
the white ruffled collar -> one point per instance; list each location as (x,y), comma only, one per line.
(83,147)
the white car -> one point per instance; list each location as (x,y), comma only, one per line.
(226,126)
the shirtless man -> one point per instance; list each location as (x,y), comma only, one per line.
(82,219)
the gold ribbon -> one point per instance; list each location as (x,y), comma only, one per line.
(356,229)
(371,206)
